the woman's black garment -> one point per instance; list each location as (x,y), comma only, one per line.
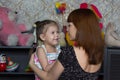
(72,69)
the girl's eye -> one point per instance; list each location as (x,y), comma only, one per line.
(53,32)
(58,32)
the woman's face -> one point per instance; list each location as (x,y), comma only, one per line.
(71,30)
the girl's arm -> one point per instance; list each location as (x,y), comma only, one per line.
(43,59)
(52,74)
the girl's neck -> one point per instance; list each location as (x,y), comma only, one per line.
(50,48)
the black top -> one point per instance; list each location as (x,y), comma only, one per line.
(72,69)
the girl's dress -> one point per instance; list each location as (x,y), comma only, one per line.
(50,56)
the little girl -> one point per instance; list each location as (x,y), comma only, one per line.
(47,32)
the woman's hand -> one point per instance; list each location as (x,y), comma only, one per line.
(52,74)
(31,62)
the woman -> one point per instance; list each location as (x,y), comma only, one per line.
(82,61)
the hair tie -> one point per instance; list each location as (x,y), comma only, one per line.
(34,25)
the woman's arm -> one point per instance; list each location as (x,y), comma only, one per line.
(52,74)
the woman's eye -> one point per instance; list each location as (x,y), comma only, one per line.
(69,25)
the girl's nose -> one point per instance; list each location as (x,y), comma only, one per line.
(57,34)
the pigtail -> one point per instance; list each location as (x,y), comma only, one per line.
(34,33)
(32,50)
(37,26)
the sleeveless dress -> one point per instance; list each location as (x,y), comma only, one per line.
(50,56)
(72,69)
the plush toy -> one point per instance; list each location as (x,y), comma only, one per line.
(2,62)
(11,32)
(11,66)
(68,39)
(62,39)
(28,69)
(111,37)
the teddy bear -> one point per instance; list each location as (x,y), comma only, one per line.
(11,32)
(62,41)
(111,36)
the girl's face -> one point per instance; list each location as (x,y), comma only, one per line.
(71,30)
(51,36)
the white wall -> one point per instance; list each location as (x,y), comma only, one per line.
(30,11)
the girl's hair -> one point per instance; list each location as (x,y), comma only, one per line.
(88,34)
(41,27)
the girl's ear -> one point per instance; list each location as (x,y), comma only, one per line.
(42,37)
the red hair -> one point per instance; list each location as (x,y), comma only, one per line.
(94,9)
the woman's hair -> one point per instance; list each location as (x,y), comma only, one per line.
(88,34)
(42,26)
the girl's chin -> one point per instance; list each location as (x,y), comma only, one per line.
(56,43)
